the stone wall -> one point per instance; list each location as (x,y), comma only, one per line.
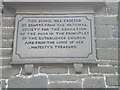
(101,75)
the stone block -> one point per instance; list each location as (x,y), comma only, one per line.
(101,11)
(112,80)
(106,20)
(54,70)
(8,72)
(7,35)
(107,54)
(94,82)
(33,82)
(7,44)
(2,84)
(107,43)
(65,85)
(8,21)
(112,8)
(104,69)
(6,61)
(78,68)
(62,77)
(28,68)
(7,52)
(105,31)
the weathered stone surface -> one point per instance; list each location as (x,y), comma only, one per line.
(31,70)
(110,70)
(105,31)
(65,85)
(78,68)
(33,82)
(62,77)
(112,80)
(2,84)
(28,68)
(107,43)
(54,70)
(106,20)
(109,54)
(112,8)
(94,82)
(10,71)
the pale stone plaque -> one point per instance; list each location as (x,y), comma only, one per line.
(54,37)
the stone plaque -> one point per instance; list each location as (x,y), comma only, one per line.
(54,38)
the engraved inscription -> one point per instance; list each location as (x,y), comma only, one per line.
(54,36)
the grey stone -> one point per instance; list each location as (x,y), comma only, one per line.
(106,20)
(105,31)
(28,68)
(7,35)
(65,85)
(101,11)
(54,70)
(31,70)
(3,84)
(115,34)
(78,68)
(33,82)
(94,82)
(107,43)
(107,54)
(7,44)
(103,69)
(6,61)
(7,72)
(112,8)
(7,52)
(112,80)
(8,21)
(62,77)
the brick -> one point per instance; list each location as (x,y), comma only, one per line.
(54,70)
(62,77)
(105,31)
(104,69)
(7,52)
(107,54)
(33,82)
(112,80)
(7,44)
(107,43)
(112,8)
(65,85)
(94,82)
(10,71)
(106,20)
